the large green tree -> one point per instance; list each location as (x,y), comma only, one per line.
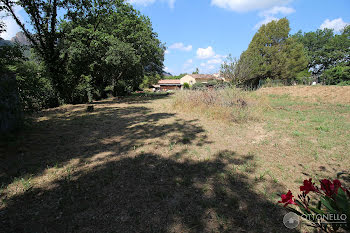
(111,43)
(325,49)
(97,43)
(271,54)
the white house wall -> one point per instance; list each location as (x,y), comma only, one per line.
(187,79)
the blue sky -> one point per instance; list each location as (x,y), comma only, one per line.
(200,33)
(192,29)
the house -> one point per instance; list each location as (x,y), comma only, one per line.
(198,78)
(169,84)
(175,84)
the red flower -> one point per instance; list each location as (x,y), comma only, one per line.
(308,187)
(330,188)
(287,199)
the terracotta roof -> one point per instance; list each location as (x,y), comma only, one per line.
(169,81)
(203,76)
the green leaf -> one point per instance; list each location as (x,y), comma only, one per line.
(294,211)
(317,211)
(326,202)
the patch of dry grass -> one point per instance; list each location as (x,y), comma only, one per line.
(143,164)
(230,104)
(319,94)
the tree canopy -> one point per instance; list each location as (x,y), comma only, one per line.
(95,45)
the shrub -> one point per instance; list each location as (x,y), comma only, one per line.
(344,83)
(226,104)
(186,86)
(336,75)
(333,204)
(35,90)
(10,108)
(222,85)
(198,86)
(212,83)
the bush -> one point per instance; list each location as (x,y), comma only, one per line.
(229,104)
(222,85)
(332,204)
(344,83)
(198,86)
(10,107)
(212,83)
(336,75)
(121,88)
(35,90)
(186,86)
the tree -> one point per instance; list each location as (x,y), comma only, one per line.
(99,43)
(337,75)
(46,34)
(271,54)
(116,44)
(315,43)
(229,69)
(325,49)
(196,72)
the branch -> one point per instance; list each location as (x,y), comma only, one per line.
(8,8)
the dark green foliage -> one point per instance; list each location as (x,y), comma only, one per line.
(339,75)
(10,55)
(98,44)
(222,85)
(198,86)
(180,76)
(35,89)
(212,83)
(186,86)
(10,105)
(325,49)
(150,80)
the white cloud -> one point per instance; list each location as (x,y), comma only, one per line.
(335,24)
(188,63)
(248,5)
(149,2)
(166,52)
(270,14)
(11,26)
(215,61)
(181,46)
(205,53)
(267,20)
(277,10)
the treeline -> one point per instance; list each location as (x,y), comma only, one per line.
(275,55)
(94,49)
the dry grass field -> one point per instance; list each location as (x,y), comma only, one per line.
(158,164)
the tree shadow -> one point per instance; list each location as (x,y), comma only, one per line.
(146,193)
(73,133)
(117,188)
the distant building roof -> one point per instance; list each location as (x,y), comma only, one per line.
(169,82)
(203,76)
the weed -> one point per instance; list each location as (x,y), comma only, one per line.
(322,128)
(172,145)
(26,183)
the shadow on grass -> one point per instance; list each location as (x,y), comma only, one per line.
(146,192)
